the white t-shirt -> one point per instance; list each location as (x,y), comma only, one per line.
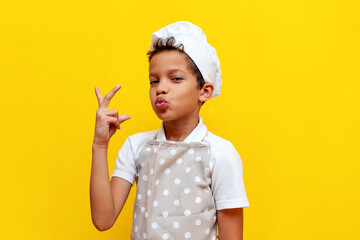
(227,172)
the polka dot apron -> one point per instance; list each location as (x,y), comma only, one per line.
(174,199)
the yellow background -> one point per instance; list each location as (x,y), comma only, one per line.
(290,104)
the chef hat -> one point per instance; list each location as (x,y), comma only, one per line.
(196,47)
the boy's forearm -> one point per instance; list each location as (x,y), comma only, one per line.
(101,200)
(230,222)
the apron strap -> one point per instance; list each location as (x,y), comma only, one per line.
(205,137)
(155,136)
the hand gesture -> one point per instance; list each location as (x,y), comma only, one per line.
(107,121)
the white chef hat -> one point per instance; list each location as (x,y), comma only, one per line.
(196,47)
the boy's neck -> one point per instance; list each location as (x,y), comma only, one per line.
(178,130)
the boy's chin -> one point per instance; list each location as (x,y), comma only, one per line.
(164,117)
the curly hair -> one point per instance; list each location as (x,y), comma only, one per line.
(170,44)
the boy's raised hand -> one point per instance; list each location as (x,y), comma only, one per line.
(107,121)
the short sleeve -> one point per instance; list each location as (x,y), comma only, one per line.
(227,177)
(125,163)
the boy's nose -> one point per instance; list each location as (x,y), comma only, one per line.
(162,88)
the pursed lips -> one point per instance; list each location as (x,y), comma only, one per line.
(160,103)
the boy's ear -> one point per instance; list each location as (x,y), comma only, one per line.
(206,92)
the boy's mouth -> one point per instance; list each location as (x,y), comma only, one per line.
(160,103)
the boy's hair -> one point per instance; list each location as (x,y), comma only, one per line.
(170,44)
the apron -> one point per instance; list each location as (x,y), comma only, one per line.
(174,199)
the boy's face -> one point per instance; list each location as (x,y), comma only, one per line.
(174,94)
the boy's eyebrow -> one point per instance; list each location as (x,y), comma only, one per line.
(176,70)
(169,71)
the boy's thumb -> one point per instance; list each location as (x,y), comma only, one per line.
(123,118)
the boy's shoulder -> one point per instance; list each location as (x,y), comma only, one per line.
(134,143)
(223,152)
(142,136)
(217,141)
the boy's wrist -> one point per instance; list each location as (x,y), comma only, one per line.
(99,146)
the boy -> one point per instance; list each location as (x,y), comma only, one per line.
(188,180)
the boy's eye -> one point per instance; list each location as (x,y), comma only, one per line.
(154,82)
(177,78)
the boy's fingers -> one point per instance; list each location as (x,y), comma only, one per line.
(107,98)
(114,121)
(117,120)
(123,118)
(98,96)
(111,112)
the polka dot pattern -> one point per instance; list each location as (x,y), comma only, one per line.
(154,225)
(177,181)
(166,192)
(176,224)
(187,212)
(174,181)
